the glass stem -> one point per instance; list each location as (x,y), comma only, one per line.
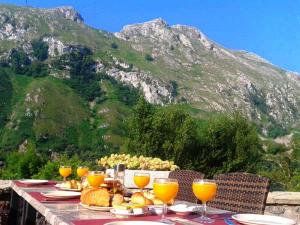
(164,212)
(65,179)
(204,209)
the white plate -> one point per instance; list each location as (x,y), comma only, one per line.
(96,208)
(65,189)
(183,209)
(113,211)
(134,223)
(61,194)
(256,219)
(32,181)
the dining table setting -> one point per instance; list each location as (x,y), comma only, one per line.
(99,199)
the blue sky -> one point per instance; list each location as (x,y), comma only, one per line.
(270,28)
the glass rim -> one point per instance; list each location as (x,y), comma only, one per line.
(141,174)
(79,167)
(204,181)
(165,180)
(62,166)
(96,172)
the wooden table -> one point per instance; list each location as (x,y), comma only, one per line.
(54,213)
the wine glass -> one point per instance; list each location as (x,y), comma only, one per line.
(204,190)
(165,189)
(65,171)
(82,171)
(95,178)
(141,180)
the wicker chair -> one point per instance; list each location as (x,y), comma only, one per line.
(241,193)
(185,180)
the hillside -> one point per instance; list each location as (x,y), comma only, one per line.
(67,79)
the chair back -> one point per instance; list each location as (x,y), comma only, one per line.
(241,192)
(185,180)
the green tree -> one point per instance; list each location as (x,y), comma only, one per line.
(5,96)
(82,71)
(22,164)
(228,144)
(19,61)
(40,49)
(164,132)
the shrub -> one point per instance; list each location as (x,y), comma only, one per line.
(114,45)
(40,49)
(149,58)
(136,162)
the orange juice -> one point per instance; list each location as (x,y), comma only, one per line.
(65,171)
(82,171)
(95,180)
(204,191)
(141,180)
(165,191)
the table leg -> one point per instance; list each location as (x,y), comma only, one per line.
(14,208)
(30,214)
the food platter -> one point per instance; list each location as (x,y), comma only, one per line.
(96,208)
(126,213)
(61,187)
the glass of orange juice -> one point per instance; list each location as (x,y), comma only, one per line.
(95,178)
(65,171)
(82,171)
(141,180)
(165,189)
(204,190)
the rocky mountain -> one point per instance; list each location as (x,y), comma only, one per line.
(168,64)
(213,78)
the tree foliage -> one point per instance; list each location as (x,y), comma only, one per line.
(40,49)
(221,144)
(81,67)
(6,94)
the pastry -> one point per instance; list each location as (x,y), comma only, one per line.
(140,199)
(95,197)
(117,199)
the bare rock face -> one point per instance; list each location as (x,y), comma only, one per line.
(155,91)
(56,47)
(12,28)
(68,12)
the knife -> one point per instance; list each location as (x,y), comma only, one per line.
(229,221)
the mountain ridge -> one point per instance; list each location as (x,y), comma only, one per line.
(168,64)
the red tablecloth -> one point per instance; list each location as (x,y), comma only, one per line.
(49,184)
(38,196)
(219,219)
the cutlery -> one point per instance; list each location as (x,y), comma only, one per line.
(229,221)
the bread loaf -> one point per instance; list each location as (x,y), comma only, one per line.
(95,197)
(100,197)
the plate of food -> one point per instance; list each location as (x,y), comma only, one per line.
(96,208)
(129,209)
(72,185)
(99,199)
(61,194)
(33,182)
